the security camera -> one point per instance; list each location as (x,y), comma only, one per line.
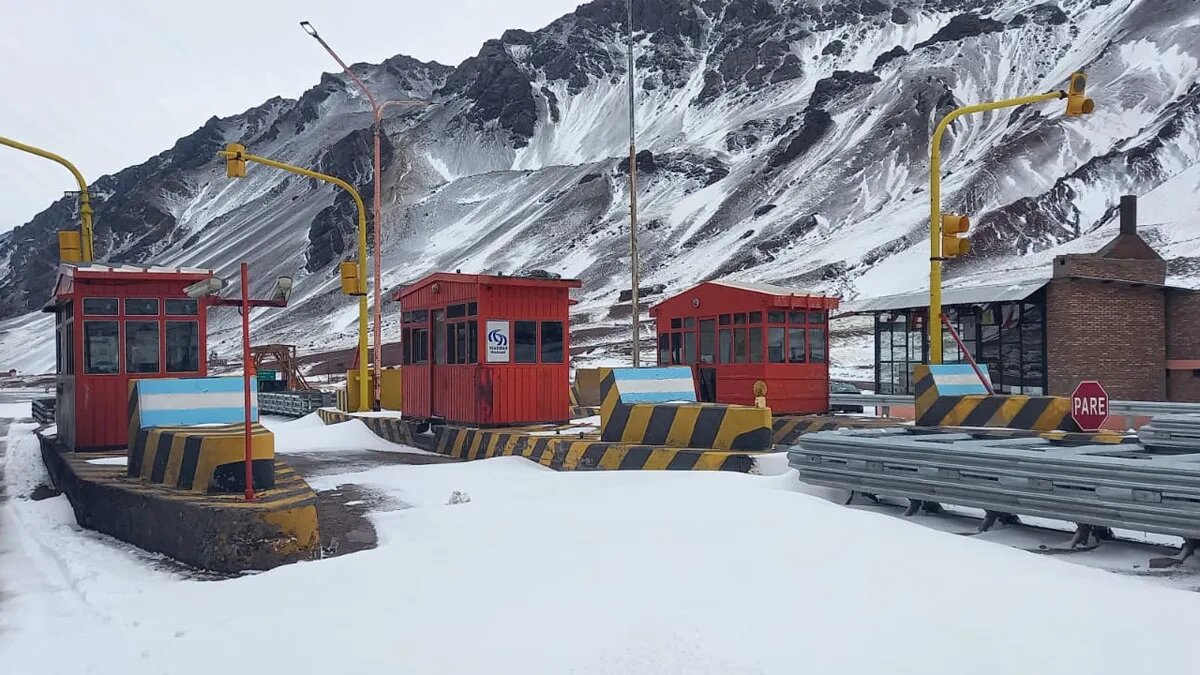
(203,289)
(283,289)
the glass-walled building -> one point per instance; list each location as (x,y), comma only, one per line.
(1002,327)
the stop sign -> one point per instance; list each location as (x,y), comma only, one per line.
(1089,405)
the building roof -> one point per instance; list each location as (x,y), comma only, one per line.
(966,295)
(93,270)
(487,279)
(770,289)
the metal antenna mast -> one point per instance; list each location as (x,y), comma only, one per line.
(633,248)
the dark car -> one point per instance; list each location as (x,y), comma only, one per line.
(843,387)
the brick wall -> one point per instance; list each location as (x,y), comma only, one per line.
(1111,332)
(1126,269)
(1183,343)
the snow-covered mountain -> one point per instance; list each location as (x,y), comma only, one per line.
(782,140)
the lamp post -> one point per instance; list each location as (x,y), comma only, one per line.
(633,248)
(85,206)
(353,274)
(377,203)
(944,229)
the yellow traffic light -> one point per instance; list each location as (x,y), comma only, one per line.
(235,165)
(351,283)
(1077,102)
(70,246)
(953,243)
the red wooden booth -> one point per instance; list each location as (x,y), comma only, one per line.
(486,350)
(113,325)
(733,334)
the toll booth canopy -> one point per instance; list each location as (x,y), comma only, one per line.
(114,324)
(486,350)
(733,334)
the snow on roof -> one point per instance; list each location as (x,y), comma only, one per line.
(966,295)
(102,268)
(764,288)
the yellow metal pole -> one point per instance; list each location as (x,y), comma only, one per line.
(933,321)
(85,205)
(364,398)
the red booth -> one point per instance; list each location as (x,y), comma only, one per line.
(486,350)
(733,334)
(114,324)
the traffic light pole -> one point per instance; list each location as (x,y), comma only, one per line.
(935,208)
(237,153)
(85,205)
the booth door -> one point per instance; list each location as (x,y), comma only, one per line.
(707,379)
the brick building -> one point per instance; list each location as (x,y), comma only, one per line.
(1107,316)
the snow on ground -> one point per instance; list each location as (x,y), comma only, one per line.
(604,572)
(16,410)
(310,434)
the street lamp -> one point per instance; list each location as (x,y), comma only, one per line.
(377,204)
(945,229)
(353,274)
(86,253)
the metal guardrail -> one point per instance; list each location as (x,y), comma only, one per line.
(43,410)
(295,403)
(1098,485)
(1125,408)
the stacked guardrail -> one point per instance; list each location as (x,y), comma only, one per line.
(1100,485)
(43,410)
(294,403)
(1172,434)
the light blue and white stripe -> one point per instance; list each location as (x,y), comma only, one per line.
(655,385)
(194,400)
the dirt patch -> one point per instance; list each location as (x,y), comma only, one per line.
(44,491)
(342,512)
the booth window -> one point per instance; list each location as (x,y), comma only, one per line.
(816,345)
(462,341)
(552,342)
(740,353)
(796,345)
(708,341)
(456,311)
(676,348)
(141,346)
(100,306)
(726,346)
(141,307)
(776,344)
(183,347)
(689,348)
(664,349)
(100,347)
(525,341)
(182,307)
(438,335)
(756,343)
(416,349)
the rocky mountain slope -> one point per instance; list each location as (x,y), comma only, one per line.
(783,140)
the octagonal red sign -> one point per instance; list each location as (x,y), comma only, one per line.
(1089,405)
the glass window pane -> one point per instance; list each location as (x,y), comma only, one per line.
(664,349)
(689,348)
(183,346)
(552,342)
(676,348)
(460,342)
(439,330)
(472,308)
(525,341)
(677,323)
(708,341)
(776,317)
(100,354)
(689,322)
(406,346)
(776,337)
(100,306)
(816,345)
(725,319)
(141,346)
(472,341)
(451,347)
(816,316)
(797,318)
(456,311)
(739,319)
(141,306)
(726,346)
(182,307)
(796,345)
(740,352)
(755,317)
(756,345)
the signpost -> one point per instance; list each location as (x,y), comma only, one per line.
(1089,405)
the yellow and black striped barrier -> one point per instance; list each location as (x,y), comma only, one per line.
(570,453)
(934,408)
(392,429)
(683,425)
(206,459)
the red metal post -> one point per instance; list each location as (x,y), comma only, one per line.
(246,377)
(970,359)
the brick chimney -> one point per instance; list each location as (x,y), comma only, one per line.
(1126,258)
(1129,214)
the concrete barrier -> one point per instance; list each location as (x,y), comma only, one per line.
(205,459)
(953,396)
(656,407)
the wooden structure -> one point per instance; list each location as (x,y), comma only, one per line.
(486,350)
(733,334)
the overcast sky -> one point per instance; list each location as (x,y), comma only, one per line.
(111,84)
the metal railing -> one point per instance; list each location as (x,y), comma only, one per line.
(1129,409)
(43,410)
(294,403)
